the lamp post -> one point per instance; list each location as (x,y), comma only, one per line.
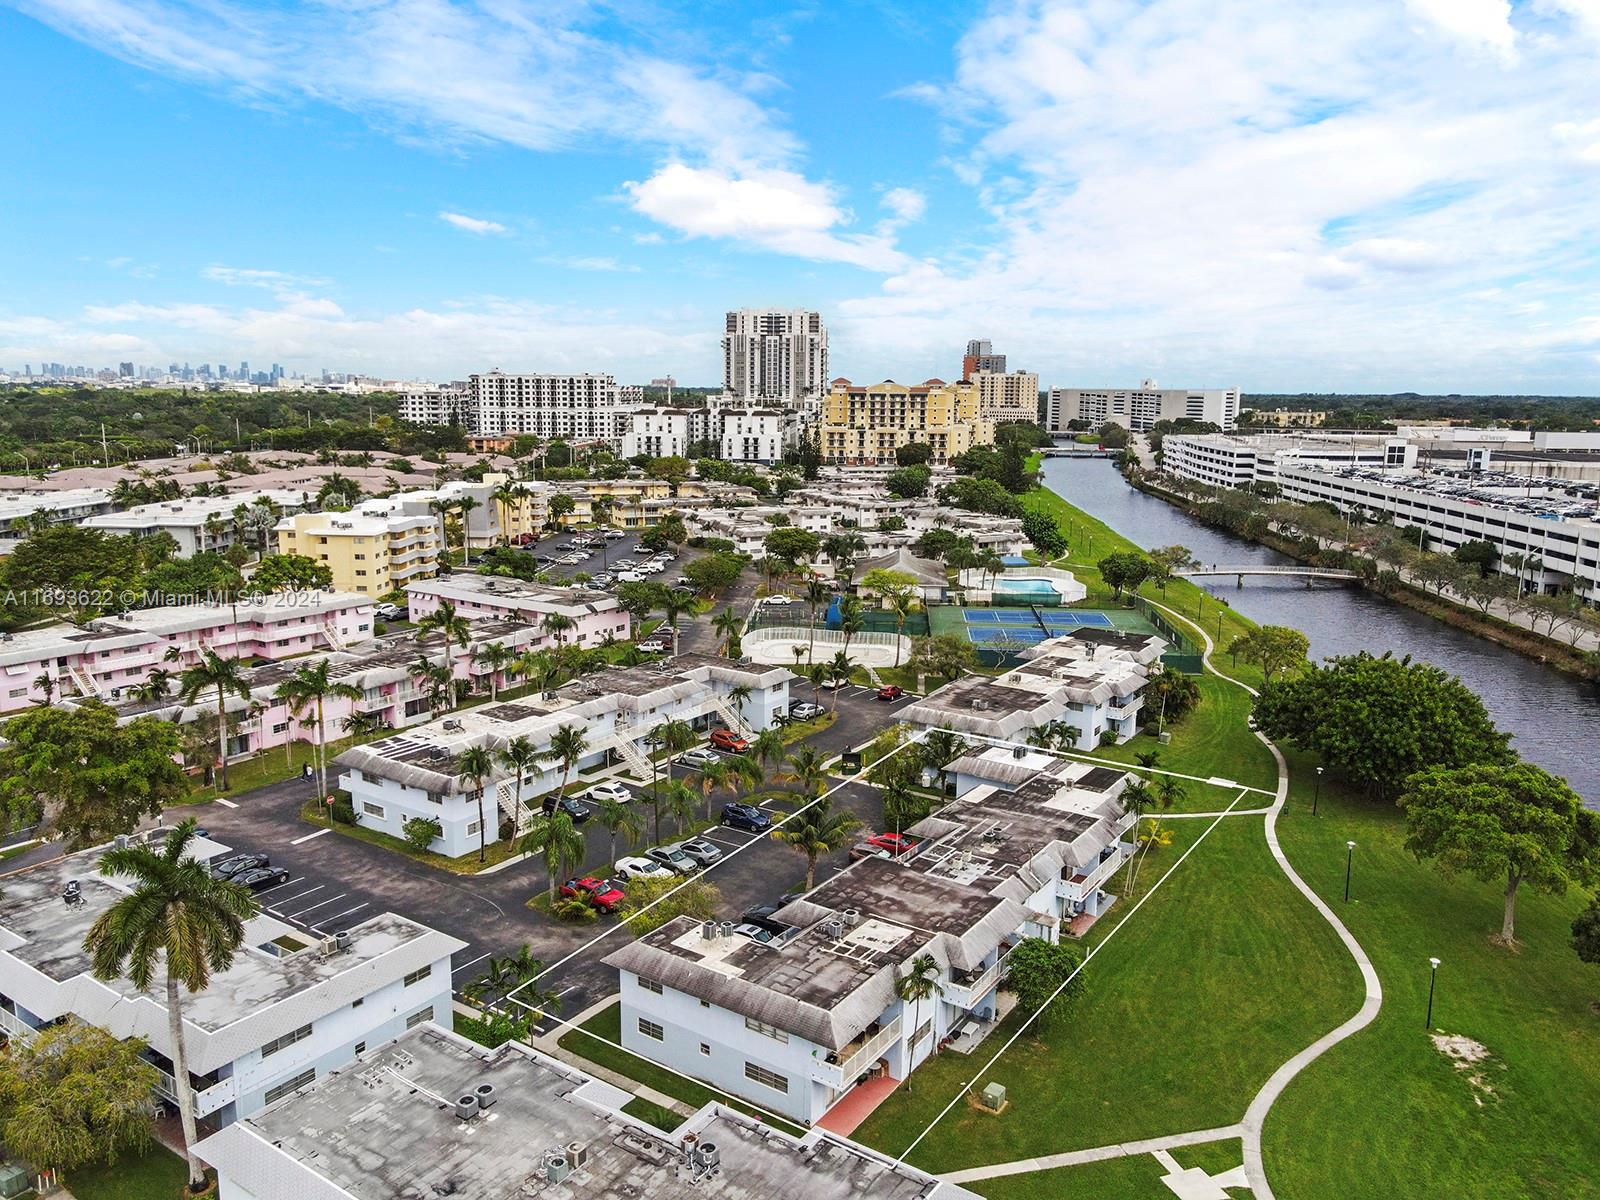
(1433,978)
(1316,796)
(1349,857)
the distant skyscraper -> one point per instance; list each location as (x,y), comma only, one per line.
(775,356)
(980,356)
(125,370)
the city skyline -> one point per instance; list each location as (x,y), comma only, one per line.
(1315,197)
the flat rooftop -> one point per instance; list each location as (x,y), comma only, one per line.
(385,1129)
(487,589)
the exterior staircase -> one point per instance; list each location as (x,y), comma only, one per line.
(637,762)
(731,715)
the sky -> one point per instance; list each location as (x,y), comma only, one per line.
(1280,195)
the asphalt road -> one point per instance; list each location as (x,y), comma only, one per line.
(336,881)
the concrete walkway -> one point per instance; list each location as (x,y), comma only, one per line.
(1077,1158)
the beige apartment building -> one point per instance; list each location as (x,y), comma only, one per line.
(1007,397)
(373,554)
(865,425)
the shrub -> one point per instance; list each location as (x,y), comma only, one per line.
(420,832)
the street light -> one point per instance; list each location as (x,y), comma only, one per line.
(1349,856)
(1316,796)
(1433,978)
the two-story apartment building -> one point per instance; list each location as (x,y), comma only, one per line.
(596,616)
(417,773)
(196,523)
(293,1007)
(1091,681)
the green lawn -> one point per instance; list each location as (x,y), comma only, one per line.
(1423,1130)
(1135,1178)
(1215,1158)
(607,1024)
(653,1114)
(274,766)
(156,1175)
(313,813)
(1224,974)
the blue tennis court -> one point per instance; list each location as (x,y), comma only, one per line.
(1067,618)
(1014,634)
(999,616)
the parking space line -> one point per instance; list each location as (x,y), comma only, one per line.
(226,803)
(298,895)
(711,836)
(321,921)
(313,908)
(473,963)
(309,836)
(274,887)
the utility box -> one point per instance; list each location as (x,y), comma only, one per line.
(14,1180)
(994,1097)
(850,762)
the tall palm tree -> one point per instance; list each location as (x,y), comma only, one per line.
(465,506)
(558,625)
(678,799)
(617,817)
(713,776)
(554,836)
(817,674)
(452,625)
(902,602)
(1137,796)
(504,497)
(179,915)
(226,675)
(475,766)
(673,605)
(441,509)
(920,982)
(839,669)
(307,688)
(817,831)
(769,747)
(851,619)
(739,695)
(46,683)
(519,755)
(438,681)
(567,745)
(498,657)
(939,749)
(728,625)
(804,770)
(817,592)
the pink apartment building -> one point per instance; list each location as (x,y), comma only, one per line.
(595,616)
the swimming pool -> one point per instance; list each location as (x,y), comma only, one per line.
(1027,587)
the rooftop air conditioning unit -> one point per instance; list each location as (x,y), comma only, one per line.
(556,1168)
(466,1106)
(852,917)
(453,725)
(706,1156)
(833,929)
(485,1094)
(341,941)
(709,930)
(577,1155)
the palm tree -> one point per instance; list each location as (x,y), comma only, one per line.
(46,683)
(441,509)
(557,625)
(1136,797)
(475,766)
(713,776)
(554,836)
(504,497)
(498,657)
(920,982)
(519,755)
(675,737)
(567,745)
(437,680)
(816,831)
(738,696)
(177,913)
(851,619)
(226,675)
(839,669)
(678,799)
(939,749)
(817,592)
(465,506)
(673,605)
(448,622)
(817,674)
(309,687)
(769,747)
(804,770)
(728,625)
(902,602)
(617,817)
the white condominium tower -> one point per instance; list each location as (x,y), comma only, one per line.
(577,408)
(775,356)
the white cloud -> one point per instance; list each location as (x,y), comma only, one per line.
(774,209)
(1485,24)
(471,224)
(595,262)
(904,206)
(274,281)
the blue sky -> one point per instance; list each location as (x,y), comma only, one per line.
(1328,195)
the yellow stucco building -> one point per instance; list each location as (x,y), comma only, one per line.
(370,553)
(865,425)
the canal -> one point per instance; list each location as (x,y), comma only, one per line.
(1555,719)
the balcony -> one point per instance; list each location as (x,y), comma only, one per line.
(969,994)
(1079,886)
(858,1056)
(14,1026)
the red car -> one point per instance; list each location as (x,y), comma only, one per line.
(601,893)
(891,692)
(894,843)
(729,741)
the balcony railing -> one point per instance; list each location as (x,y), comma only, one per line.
(843,1074)
(969,995)
(14,1026)
(1077,889)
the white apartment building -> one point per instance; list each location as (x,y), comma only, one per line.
(660,432)
(526,1126)
(196,523)
(294,1007)
(575,408)
(416,773)
(1546,520)
(433,406)
(1240,460)
(66,507)
(1005,396)
(759,435)
(797,1023)
(823,512)
(1137,409)
(774,356)
(596,617)
(1091,681)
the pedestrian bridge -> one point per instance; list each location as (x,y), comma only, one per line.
(1306,573)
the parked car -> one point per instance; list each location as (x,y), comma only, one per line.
(833,683)
(894,843)
(804,710)
(683,581)
(578,812)
(640,548)
(698,757)
(610,790)
(389,612)
(892,692)
(762,915)
(260,879)
(867,850)
(604,578)
(524,539)
(777,601)
(673,858)
(703,852)
(729,741)
(756,933)
(623,562)
(747,817)
(642,868)
(229,867)
(631,577)
(601,893)
(613,535)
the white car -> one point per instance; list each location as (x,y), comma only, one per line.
(611,790)
(653,568)
(779,600)
(631,577)
(641,868)
(612,535)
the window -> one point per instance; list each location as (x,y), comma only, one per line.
(18,693)
(371,809)
(291,1085)
(418,975)
(651,1029)
(771,1079)
(771,1031)
(705,1004)
(473,828)
(705,1049)
(358,1002)
(288,1039)
(650,985)
(418,1017)
(361,1048)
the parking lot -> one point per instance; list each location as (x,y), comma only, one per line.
(337,881)
(598,558)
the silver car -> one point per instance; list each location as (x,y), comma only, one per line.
(702,851)
(673,858)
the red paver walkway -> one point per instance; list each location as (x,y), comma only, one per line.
(857,1104)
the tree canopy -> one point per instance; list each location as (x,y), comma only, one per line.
(1273,648)
(1043,532)
(1124,570)
(1036,969)
(291,573)
(909,482)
